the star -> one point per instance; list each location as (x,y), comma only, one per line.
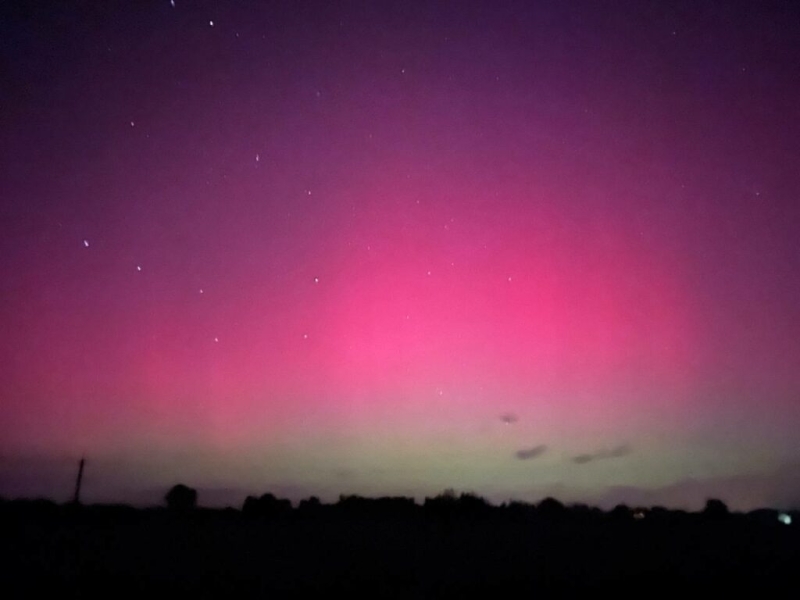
(211,23)
(305,336)
(201,290)
(258,157)
(138,267)
(316,279)
(86,243)
(172,3)
(132,123)
(216,339)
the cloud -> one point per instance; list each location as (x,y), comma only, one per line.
(528,453)
(616,452)
(619,451)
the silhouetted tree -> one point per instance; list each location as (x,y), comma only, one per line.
(181,498)
(715,509)
(764,516)
(266,506)
(519,510)
(583,513)
(309,505)
(621,512)
(550,508)
(250,506)
(473,504)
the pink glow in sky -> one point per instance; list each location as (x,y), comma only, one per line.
(514,248)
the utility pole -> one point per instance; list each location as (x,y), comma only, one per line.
(77,499)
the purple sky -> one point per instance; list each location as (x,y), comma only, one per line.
(515,248)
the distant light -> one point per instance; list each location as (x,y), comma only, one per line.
(211,23)
(216,339)
(86,243)
(138,267)
(785,519)
(639,515)
(316,279)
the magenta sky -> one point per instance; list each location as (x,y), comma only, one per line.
(518,248)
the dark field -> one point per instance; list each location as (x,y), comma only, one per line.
(391,548)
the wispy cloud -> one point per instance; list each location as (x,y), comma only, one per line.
(616,452)
(528,453)
(509,418)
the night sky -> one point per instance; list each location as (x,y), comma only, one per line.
(515,248)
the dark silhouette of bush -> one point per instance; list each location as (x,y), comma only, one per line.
(250,506)
(447,498)
(550,508)
(266,506)
(467,506)
(310,505)
(764,516)
(473,505)
(384,507)
(621,512)
(181,498)
(715,509)
(583,514)
(519,511)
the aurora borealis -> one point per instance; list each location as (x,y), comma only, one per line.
(517,248)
